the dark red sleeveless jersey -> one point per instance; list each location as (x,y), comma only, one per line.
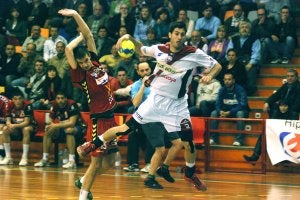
(64,113)
(18,115)
(96,86)
(4,101)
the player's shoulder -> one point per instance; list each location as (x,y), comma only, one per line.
(189,49)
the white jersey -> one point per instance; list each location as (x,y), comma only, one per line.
(173,71)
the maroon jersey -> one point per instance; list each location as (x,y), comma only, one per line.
(4,101)
(64,113)
(97,88)
(18,115)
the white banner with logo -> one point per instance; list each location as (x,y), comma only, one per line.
(283,140)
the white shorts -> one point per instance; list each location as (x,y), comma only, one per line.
(172,113)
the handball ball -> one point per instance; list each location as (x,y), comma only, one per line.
(127,49)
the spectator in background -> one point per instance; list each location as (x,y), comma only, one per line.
(129,65)
(98,19)
(248,50)
(284,38)
(38,13)
(197,41)
(122,31)
(124,18)
(262,28)
(9,62)
(206,96)
(161,26)
(116,6)
(49,45)
(18,122)
(231,103)
(217,48)
(112,60)
(151,37)
(225,6)
(289,92)
(143,24)
(121,81)
(208,24)
(274,8)
(233,22)
(190,24)
(103,42)
(26,66)
(22,6)
(233,66)
(248,5)
(16,28)
(35,38)
(136,9)
(34,89)
(67,113)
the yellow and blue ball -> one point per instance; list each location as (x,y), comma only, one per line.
(127,49)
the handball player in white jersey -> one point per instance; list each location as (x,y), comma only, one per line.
(166,108)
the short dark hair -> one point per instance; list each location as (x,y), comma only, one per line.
(174,25)
(60,93)
(80,52)
(121,69)
(294,71)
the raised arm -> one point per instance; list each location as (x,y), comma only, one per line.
(69,51)
(136,43)
(83,28)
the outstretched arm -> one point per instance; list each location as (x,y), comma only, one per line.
(69,51)
(83,27)
(136,43)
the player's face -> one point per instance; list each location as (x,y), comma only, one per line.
(61,100)
(177,39)
(85,63)
(18,101)
(228,80)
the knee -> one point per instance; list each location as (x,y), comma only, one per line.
(241,114)
(214,114)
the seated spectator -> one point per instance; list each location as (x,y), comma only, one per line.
(99,18)
(206,96)
(122,31)
(38,13)
(26,66)
(217,48)
(112,60)
(129,65)
(248,5)
(161,26)
(18,122)
(49,45)
(142,24)
(284,38)
(248,49)
(197,41)
(16,29)
(233,22)
(9,62)
(284,112)
(4,102)
(121,81)
(35,38)
(224,7)
(274,8)
(262,28)
(117,6)
(233,66)
(151,38)
(290,92)
(208,24)
(190,24)
(103,42)
(63,122)
(34,89)
(231,103)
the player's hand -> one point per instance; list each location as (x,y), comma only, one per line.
(206,79)
(121,39)
(67,12)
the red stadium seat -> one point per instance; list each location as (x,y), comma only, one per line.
(40,118)
(198,125)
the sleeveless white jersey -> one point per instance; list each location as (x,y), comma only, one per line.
(173,71)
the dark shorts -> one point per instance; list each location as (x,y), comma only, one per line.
(157,134)
(186,135)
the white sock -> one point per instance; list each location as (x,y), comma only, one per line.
(46,156)
(1,146)
(83,194)
(101,138)
(25,150)
(7,149)
(190,164)
(81,179)
(72,157)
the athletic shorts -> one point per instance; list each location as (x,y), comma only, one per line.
(157,134)
(98,128)
(172,113)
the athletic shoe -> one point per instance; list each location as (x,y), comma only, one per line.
(285,60)
(6,161)
(42,163)
(70,165)
(200,185)
(236,143)
(146,169)
(23,162)
(165,173)
(78,184)
(85,149)
(275,61)
(132,168)
(212,142)
(152,183)
(252,158)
